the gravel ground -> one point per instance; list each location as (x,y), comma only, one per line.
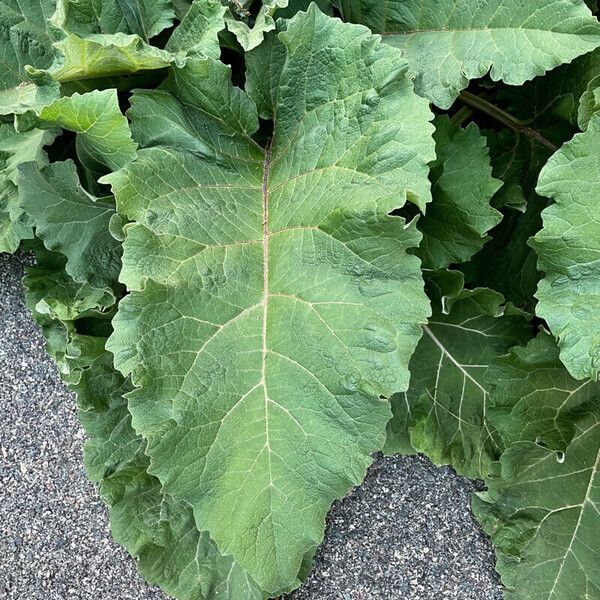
(405,534)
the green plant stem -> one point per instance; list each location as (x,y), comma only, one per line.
(505,118)
(462,115)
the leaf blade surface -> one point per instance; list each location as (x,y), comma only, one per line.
(272,425)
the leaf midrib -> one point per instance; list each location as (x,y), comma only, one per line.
(484,30)
(265,297)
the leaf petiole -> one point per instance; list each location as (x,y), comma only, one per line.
(505,118)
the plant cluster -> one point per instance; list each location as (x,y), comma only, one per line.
(272,239)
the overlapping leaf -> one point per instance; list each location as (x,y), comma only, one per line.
(589,103)
(250,37)
(83,55)
(16,148)
(199,29)
(86,50)
(24,40)
(517,162)
(517,159)
(444,412)
(104,142)
(449,42)
(103,135)
(71,221)
(273,300)
(146,18)
(456,222)
(568,248)
(541,512)
(534,398)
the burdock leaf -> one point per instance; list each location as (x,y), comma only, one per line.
(24,40)
(449,42)
(103,132)
(541,512)
(534,398)
(274,306)
(71,221)
(154,528)
(444,413)
(16,148)
(459,216)
(145,18)
(568,249)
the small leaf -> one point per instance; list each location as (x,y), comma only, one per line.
(103,132)
(250,37)
(198,31)
(459,216)
(71,221)
(16,148)
(589,103)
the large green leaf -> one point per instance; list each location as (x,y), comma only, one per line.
(273,300)
(24,40)
(449,42)
(444,412)
(568,248)
(542,514)
(534,398)
(16,148)
(459,216)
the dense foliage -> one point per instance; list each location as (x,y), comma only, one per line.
(273,239)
